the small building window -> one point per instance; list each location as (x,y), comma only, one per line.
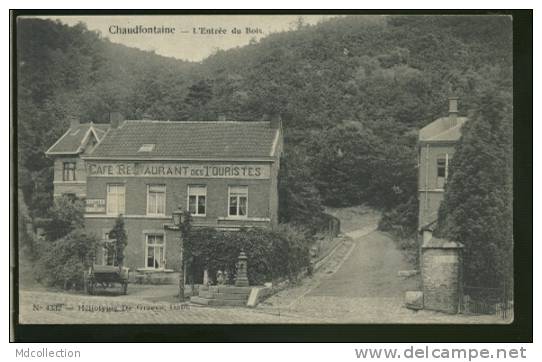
(156,199)
(155,251)
(442,170)
(197,196)
(238,201)
(115,199)
(68,171)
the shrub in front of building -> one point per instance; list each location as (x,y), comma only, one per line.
(67,249)
(63,261)
(64,216)
(272,254)
(118,233)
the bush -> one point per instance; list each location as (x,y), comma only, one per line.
(64,216)
(63,261)
(401,221)
(271,254)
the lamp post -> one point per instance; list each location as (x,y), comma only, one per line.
(178,219)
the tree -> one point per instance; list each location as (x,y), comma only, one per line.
(64,216)
(62,262)
(477,205)
(199,95)
(121,240)
(299,200)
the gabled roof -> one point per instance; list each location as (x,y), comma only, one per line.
(73,141)
(442,129)
(194,140)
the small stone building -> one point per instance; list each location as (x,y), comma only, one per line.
(436,147)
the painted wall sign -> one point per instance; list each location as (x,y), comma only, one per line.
(172,169)
(95,205)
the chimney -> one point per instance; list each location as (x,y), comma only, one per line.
(275,122)
(74,122)
(115,118)
(452,112)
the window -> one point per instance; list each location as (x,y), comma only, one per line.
(238,201)
(109,253)
(154,253)
(115,199)
(442,170)
(68,171)
(197,196)
(156,199)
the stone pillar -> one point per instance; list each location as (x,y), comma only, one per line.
(241,279)
(441,275)
(205,277)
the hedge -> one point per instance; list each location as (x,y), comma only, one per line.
(272,254)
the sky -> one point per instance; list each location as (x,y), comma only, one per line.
(183,43)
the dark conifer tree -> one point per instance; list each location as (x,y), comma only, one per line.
(477,207)
(121,239)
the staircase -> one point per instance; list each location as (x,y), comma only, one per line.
(222,295)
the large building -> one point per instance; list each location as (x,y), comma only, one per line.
(436,147)
(224,173)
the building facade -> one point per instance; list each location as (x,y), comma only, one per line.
(436,147)
(224,173)
(69,167)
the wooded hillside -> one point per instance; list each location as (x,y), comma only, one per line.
(352,92)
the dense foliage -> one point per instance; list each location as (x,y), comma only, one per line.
(271,254)
(64,216)
(351,92)
(477,207)
(63,261)
(66,250)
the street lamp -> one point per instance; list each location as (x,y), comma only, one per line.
(177,217)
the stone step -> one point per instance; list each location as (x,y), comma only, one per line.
(199,300)
(231,289)
(218,302)
(223,296)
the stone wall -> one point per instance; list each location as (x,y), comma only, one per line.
(441,273)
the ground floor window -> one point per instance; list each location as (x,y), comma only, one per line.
(238,201)
(155,251)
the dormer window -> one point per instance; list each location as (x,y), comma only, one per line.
(147,147)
